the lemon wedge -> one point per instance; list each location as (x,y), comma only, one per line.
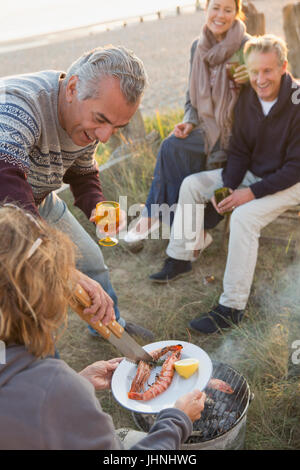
(186,367)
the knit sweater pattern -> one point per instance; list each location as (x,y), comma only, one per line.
(33,142)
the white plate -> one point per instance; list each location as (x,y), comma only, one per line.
(125,373)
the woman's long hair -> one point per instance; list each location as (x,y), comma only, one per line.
(35,284)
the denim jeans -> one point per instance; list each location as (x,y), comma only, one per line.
(91,261)
(176,159)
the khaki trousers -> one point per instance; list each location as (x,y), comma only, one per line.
(246,223)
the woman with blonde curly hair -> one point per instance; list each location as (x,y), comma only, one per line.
(44,404)
(34,285)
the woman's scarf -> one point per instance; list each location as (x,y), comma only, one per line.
(215,103)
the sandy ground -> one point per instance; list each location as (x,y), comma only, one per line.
(163,45)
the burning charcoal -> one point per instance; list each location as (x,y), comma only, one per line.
(228,420)
(221,408)
(214,424)
(233,417)
(230,415)
(209,401)
(214,413)
(198,424)
(223,425)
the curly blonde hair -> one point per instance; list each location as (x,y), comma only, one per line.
(34,288)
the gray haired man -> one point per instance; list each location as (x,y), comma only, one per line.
(50,125)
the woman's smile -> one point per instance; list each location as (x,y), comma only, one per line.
(220,17)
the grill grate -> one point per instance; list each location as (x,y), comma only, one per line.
(221,412)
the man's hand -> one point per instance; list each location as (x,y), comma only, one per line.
(112,229)
(236,199)
(100,373)
(102,306)
(241,75)
(182,130)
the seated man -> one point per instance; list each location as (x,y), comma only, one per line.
(262,172)
(50,125)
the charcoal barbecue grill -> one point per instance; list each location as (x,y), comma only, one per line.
(223,420)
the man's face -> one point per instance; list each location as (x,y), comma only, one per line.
(265,74)
(96,119)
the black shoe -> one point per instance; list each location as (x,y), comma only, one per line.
(137,330)
(218,318)
(172,269)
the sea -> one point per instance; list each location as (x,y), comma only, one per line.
(23,19)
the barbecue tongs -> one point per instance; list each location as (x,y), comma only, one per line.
(113,332)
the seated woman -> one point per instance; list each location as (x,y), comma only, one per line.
(207,120)
(44,404)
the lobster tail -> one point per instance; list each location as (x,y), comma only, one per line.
(135,396)
(164,379)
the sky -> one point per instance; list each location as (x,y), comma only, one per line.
(25,18)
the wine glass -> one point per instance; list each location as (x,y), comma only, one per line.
(232,64)
(231,69)
(107,218)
